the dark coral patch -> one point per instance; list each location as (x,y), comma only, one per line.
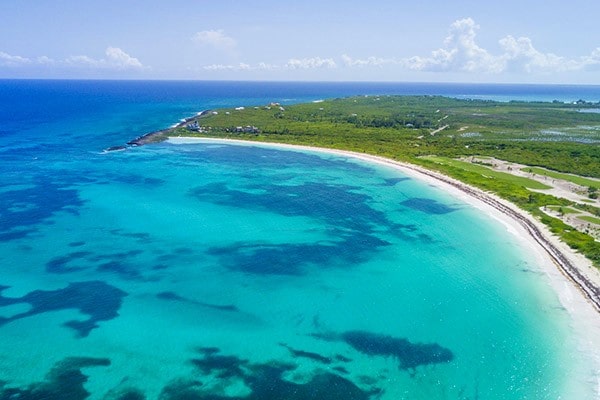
(293,259)
(342,358)
(428,206)
(394,181)
(340,369)
(131,395)
(97,299)
(187,390)
(222,366)
(23,209)
(124,393)
(251,157)
(265,381)
(409,355)
(122,263)
(64,264)
(138,180)
(172,296)
(339,205)
(307,354)
(124,270)
(354,226)
(141,237)
(207,351)
(64,381)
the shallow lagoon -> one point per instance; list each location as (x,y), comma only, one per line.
(249,272)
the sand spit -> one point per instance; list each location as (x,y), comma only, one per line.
(158,136)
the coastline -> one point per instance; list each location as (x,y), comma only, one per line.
(158,136)
(556,257)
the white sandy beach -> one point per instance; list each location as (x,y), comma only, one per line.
(584,311)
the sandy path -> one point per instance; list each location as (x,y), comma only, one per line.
(559,187)
(439,130)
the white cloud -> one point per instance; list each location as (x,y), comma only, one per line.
(219,67)
(294,63)
(228,67)
(115,59)
(370,61)
(592,62)
(520,54)
(460,53)
(310,63)
(7,60)
(240,67)
(266,66)
(82,61)
(216,39)
(121,60)
(45,60)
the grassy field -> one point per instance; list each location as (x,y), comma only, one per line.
(591,219)
(564,210)
(488,172)
(578,180)
(402,127)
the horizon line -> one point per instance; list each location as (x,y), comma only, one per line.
(301,81)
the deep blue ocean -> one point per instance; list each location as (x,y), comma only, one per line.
(219,271)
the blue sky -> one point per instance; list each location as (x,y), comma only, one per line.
(526,41)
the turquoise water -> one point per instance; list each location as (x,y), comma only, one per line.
(218,271)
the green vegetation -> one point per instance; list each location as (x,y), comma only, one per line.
(564,209)
(588,218)
(589,208)
(554,136)
(521,132)
(578,180)
(488,172)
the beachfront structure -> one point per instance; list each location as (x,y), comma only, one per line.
(247,129)
(194,126)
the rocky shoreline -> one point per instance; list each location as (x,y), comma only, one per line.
(156,136)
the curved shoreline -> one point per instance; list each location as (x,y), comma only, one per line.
(576,268)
